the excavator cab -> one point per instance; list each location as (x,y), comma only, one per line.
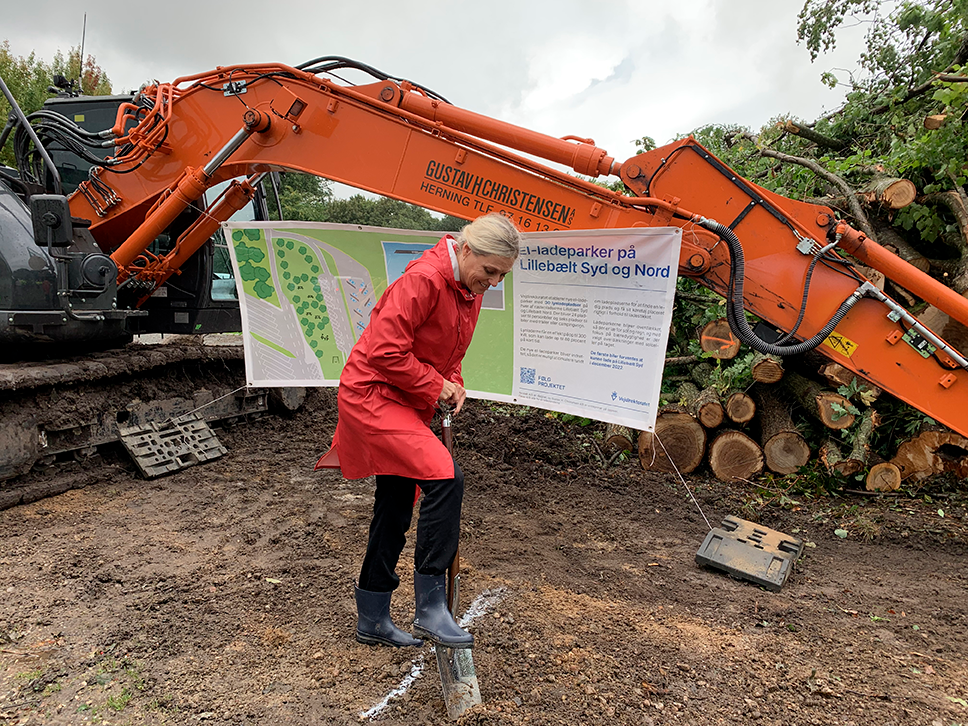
(59,285)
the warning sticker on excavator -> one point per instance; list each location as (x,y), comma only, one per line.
(841,344)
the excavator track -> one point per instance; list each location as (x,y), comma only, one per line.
(160,399)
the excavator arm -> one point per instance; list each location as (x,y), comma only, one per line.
(774,257)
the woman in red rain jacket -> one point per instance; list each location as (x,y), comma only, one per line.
(407,360)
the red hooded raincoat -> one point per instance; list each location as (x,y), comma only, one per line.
(417,336)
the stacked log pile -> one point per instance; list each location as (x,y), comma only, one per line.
(742,427)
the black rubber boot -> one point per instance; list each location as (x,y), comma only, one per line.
(374,626)
(433,620)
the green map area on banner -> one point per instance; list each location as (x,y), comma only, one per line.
(308,291)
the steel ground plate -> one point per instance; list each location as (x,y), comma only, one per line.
(159,449)
(749,551)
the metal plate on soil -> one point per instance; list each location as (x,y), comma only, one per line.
(160,449)
(749,551)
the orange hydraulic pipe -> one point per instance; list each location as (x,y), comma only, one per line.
(189,188)
(582,157)
(904,274)
(235,198)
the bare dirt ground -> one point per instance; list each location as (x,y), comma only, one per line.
(223,594)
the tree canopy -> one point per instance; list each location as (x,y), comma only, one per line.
(308,198)
(29,79)
(904,118)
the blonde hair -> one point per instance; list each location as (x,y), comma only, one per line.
(493,234)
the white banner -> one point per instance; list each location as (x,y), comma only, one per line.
(578,326)
(591,320)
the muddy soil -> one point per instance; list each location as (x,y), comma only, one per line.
(223,594)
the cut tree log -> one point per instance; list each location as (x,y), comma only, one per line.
(841,376)
(935,121)
(861,449)
(618,438)
(784,448)
(892,192)
(718,340)
(678,444)
(766,368)
(932,452)
(830,408)
(740,406)
(734,455)
(703,404)
(702,373)
(883,477)
(889,237)
(834,461)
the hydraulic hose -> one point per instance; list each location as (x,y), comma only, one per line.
(736,312)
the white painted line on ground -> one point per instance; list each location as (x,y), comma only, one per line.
(482,603)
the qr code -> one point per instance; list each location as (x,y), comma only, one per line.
(527,376)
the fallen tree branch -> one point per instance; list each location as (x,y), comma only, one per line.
(849,194)
(810,135)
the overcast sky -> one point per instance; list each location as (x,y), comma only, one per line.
(612,70)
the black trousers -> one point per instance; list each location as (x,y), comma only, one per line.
(438,528)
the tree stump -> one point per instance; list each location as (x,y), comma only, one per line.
(766,368)
(784,448)
(830,408)
(883,477)
(734,455)
(678,444)
(718,340)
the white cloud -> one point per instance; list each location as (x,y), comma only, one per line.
(613,70)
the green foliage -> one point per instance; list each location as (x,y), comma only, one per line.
(29,78)
(880,129)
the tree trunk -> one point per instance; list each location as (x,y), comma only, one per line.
(888,237)
(784,448)
(718,340)
(617,438)
(860,450)
(932,452)
(702,373)
(830,408)
(957,203)
(892,192)
(678,444)
(734,455)
(947,327)
(810,135)
(704,405)
(883,477)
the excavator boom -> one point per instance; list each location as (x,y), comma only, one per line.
(774,257)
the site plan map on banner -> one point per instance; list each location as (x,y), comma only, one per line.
(579,326)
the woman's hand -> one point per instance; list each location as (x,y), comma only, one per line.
(454,394)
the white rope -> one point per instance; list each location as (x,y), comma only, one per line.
(682,479)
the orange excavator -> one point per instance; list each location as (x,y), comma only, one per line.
(787,262)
